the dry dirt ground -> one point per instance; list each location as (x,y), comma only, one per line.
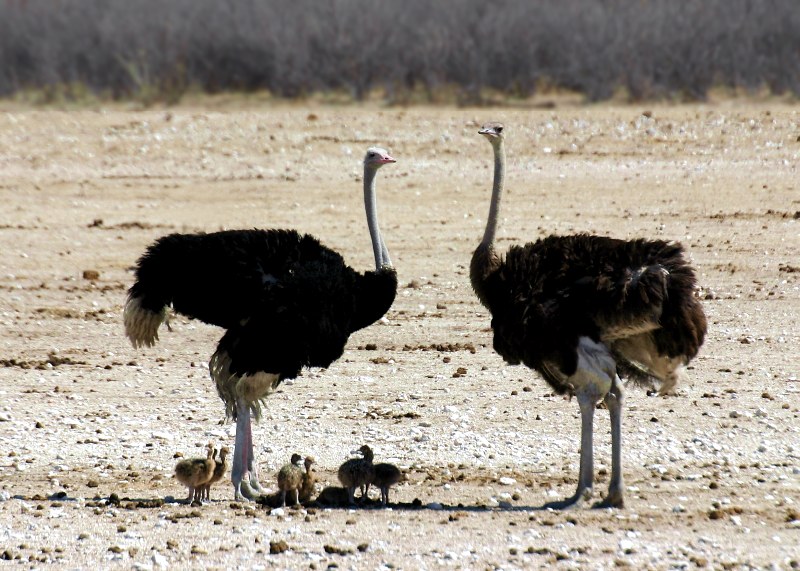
(90,428)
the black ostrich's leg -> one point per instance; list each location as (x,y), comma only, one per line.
(242,452)
(613,401)
(252,467)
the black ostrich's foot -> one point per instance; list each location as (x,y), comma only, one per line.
(577,501)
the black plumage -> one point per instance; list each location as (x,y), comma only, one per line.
(285,300)
(585,310)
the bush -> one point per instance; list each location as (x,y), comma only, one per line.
(157,49)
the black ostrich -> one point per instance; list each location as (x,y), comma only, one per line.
(581,310)
(286,301)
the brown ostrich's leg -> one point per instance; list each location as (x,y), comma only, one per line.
(613,401)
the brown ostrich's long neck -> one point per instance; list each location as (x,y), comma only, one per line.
(485,260)
(371,205)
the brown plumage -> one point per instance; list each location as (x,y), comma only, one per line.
(290,479)
(220,468)
(194,473)
(582,310)
(384,476)
(357,473)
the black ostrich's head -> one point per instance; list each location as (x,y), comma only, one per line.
(376,157)
(492,131)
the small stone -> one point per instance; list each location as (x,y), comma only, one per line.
(507,481)
(716,514)
(333,549)
(362,547)
(92,483)
(91,275)
(434,506)
(115,549)
(277,547)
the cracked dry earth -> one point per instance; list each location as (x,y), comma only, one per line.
(90,429)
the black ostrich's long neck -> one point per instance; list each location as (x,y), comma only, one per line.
(371,205)
(497,194)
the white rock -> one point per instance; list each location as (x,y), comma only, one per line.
(627,545)
(679,509)
(430,506)
(159,561)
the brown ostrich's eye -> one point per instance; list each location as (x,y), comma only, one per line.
(372,155)
(499,129)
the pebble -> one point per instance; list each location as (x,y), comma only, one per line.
(159,561)
(430,506)
(507,481)
(627,546)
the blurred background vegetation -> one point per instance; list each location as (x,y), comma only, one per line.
(402,51)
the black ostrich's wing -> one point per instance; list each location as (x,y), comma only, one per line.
(302,319)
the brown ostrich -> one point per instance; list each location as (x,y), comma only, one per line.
(584,310)
(357,473)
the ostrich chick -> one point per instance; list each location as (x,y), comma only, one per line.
(194,473)
(290,479)
(219,471)
(357,472)
(309,480)
(385,476)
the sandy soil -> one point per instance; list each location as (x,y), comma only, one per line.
(712,474)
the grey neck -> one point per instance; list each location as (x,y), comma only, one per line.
(371,206)
(497,191)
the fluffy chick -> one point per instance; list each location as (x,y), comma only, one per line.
(290,479)
(219,471)
(357,473)
(194,473)
(384,476)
